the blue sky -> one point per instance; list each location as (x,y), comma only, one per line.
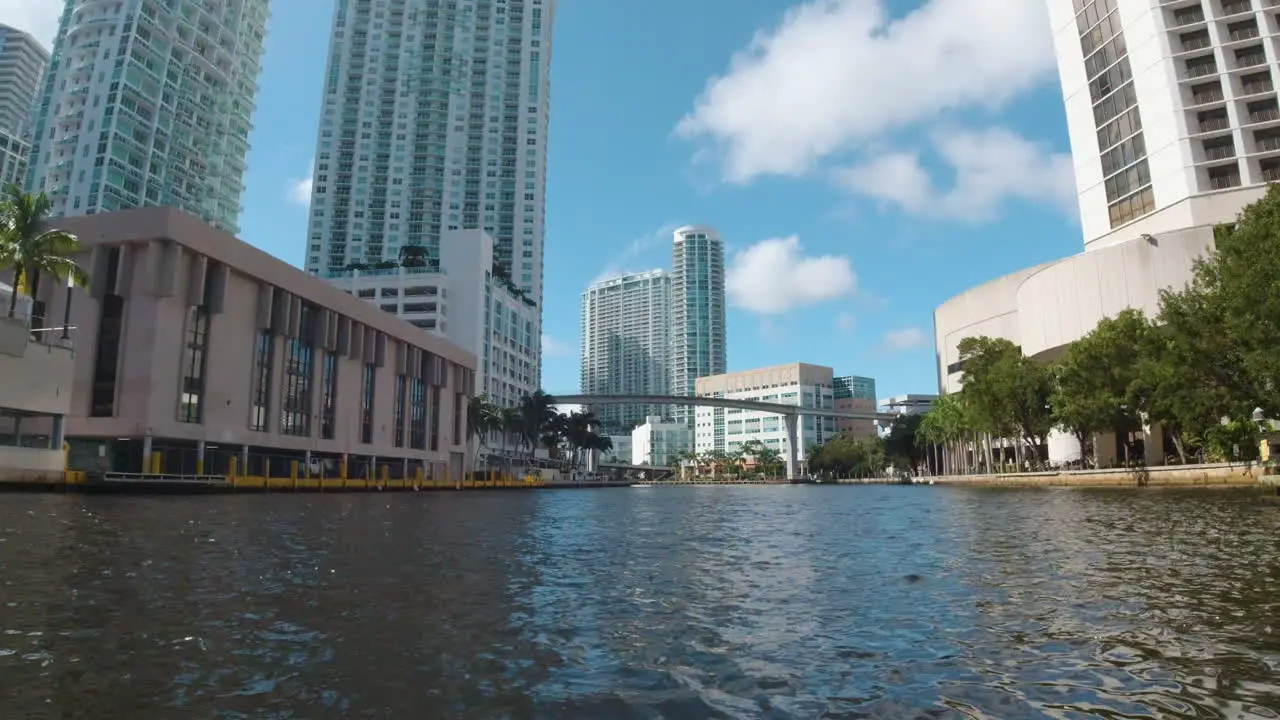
(864,160)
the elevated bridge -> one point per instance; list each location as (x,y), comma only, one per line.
(789,413)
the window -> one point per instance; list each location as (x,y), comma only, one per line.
(329,393)
(417,415)
(102,401)
(295,409)
(401,388)
(36,431)
(194,351)
(435,417)
(262,368)
(366,402)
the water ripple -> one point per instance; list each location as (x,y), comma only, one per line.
(781,602)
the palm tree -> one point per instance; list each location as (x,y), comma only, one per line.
(29,247)
(482,419)
(536,412)
(578,433)
(413,256)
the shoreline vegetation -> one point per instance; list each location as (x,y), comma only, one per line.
(1195,385)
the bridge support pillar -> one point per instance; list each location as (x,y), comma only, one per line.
(793,463)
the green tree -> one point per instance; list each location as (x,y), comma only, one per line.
(29,247)
(1239,285)
(1093,381)
(946,425)
(902,447)
(846,457)
(1007,394)
(482,419)
(537,413)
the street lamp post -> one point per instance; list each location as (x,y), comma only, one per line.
(66,309)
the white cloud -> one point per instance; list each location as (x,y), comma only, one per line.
(908,338)
(989,167)
(846,322)
(554,348)
(639,246)
(300,189)
(841,81)
(38,17)
(773,276)
(837,74)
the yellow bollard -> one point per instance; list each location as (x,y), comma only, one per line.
(293,473)
(231,471)
(155,463)
(342,469)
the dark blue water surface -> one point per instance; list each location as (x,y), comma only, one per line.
(690,602)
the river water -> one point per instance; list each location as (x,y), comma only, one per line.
(692,602)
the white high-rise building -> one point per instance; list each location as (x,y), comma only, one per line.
(698,343)
(475,309)
(434,119)
(626,341)
(149,102)
(1174,124)
(1171,109)
(22,64)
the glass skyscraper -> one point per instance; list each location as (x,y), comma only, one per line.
(149,102)
(698,347)
(435,119)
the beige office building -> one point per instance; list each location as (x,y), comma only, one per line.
(194,345)
(800,384)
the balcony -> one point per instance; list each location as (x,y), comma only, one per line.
(1243,34)
(1257,87)
(1214,124)
(1219,152)
(1250,59)
(1271,174)
(1235,8)
(1271,144)
(1224,182)
(1261,116)
(1206,97)
(1182,19)
(1201,70)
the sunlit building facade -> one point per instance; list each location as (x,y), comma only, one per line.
(434,119)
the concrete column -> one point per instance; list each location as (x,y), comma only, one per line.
(244,460)
(1153,445)
(200,447)
(792,454)
(146,454)
(306,464)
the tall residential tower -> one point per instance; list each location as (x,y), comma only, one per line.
(626,341)
(22,64)
(434,120)
(697,315)
(148,102)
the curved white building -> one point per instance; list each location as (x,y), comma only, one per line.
(1174,125)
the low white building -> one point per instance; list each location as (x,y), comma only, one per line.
(658,442)
(463,300)
(801,384)
(35,396)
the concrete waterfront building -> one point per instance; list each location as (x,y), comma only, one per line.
(698,341)
(621,450)
(22,63)
(467,304)
(199,347)
(800,384)
(626,344)
(435,119)
(909,404)
(658,442)
(149,103)
(35,395)
(851,393)
(1174,125)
